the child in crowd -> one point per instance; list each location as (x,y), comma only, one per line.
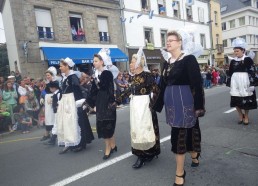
(54,88)
(23,119)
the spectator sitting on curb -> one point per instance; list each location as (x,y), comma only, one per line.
(5,117)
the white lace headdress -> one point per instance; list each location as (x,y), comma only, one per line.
(105,54)
(239,42)
(140,56)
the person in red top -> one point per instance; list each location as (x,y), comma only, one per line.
(214,77)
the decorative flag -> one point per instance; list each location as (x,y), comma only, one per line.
(139,15)
(151,14)
(189,2)
(131,19)
(122,19)
(173,3)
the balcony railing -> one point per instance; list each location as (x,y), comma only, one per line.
(104,39)
(46,35)
(79,38)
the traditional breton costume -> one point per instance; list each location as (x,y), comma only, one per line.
(242,73)
(70,120)
(102,97)
(55,99)
(144,129)
(49,113)
(182,94)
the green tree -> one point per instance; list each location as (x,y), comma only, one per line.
(4,62)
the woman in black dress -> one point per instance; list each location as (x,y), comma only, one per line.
(241,73)
(103,99)
(183,99)
(73,127)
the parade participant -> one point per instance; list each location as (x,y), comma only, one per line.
(47,101)
(54,88)
(145,140)
(103,99)
(242,75)
(181,82)
(72,130)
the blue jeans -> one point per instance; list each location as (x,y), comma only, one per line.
(207,83)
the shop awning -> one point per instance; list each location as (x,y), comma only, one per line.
(79,55)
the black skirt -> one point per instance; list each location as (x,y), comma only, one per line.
(245,103)
(106,128)
(186,139)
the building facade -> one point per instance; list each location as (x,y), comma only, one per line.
(38,33)
(217,50)
(240,19)
(146,23)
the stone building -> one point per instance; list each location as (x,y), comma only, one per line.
(40,32)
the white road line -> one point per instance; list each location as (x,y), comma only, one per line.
(233,109)
(96,168)
(230,110)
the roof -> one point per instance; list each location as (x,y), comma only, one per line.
(227,5)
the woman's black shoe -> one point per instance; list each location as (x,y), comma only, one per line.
(114,149)
(105,157)
(139,163)
(150,158)
(196,158)
(66,149)
(44,138)
(183,176)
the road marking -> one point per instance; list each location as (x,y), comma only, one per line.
(20,140)
(96,168)
(94,130)
(233,109)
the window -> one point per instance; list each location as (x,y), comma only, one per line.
(225,43)
(103,29)
(216,17)
(203,40)
(145,5)
(189,13)
(217,38)
(161,7)
(241,21)
(76,27)
(231,40)
(163,36)
(44,24)
(224,26)
(176,9)
(201,15)
(148,35)
(232,24)
(244,37)
(251,21)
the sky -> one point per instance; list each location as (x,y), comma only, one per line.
(2,35)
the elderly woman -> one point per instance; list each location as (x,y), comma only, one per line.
(143,120)
(184,100)
(242,75)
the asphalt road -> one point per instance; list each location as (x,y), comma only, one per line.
(229,155)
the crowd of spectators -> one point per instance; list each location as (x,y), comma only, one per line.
(20,106)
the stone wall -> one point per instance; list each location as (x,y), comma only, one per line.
(26,28)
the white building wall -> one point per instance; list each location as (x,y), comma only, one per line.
(10,36)
(249,29)
(135,29)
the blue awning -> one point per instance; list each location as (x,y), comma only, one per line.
(79,55)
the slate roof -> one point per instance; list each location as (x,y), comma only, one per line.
(232,5)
